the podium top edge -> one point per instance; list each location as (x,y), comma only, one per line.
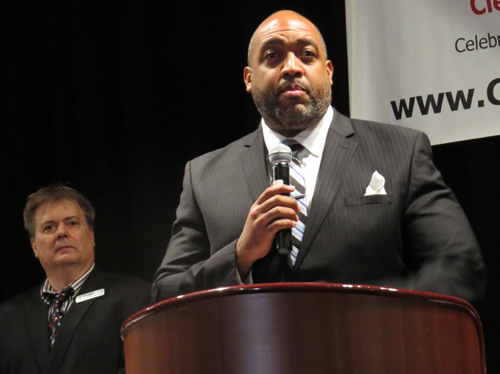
(261,288)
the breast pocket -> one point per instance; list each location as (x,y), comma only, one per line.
(364,200)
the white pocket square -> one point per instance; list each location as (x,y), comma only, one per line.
(376,186)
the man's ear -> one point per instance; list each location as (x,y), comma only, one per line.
(247,77)
(329,70)
(33,246)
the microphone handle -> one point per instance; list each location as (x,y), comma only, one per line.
(283,239)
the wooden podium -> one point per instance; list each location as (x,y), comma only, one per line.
(306,328)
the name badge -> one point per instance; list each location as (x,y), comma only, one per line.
(89,295)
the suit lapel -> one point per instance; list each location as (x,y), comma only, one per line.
(254,164)
(338,151)
(71,321)
(36,321)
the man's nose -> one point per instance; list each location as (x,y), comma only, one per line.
(292,66)
(61,231)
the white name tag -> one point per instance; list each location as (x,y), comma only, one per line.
(89,295)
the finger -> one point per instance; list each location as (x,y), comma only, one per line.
(279,201)
(281,224)
(278,189)
(276,207)
(267,220)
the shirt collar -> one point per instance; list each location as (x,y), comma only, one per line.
(46,290)
(313,139)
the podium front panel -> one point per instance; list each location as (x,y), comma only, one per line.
(305,328)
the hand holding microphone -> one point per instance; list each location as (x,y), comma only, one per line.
(273,212)
(280,157)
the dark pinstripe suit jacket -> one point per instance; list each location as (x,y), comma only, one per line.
(88,341)
(415,237)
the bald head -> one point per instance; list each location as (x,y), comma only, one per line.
(288,73)
(280,17)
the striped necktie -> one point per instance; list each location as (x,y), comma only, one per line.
(297,180)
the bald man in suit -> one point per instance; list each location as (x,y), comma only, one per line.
(378,211)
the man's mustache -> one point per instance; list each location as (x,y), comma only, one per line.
(291,85)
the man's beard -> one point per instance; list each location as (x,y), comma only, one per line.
(293,118)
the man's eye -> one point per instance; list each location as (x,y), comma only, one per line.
(308,54)
(271,55)
(73,223)
(48,228)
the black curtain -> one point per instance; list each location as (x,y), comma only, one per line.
(114,97)
(472,169)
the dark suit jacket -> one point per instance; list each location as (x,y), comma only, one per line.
(415,237)
(88,341)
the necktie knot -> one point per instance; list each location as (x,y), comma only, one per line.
(294,145)
(60,297)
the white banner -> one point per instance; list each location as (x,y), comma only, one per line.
(433,65)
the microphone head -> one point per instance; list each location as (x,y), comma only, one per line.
(280,153)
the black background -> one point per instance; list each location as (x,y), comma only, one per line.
(114,97)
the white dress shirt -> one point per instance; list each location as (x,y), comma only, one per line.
(313,140)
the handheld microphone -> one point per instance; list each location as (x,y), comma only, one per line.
(280,157)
